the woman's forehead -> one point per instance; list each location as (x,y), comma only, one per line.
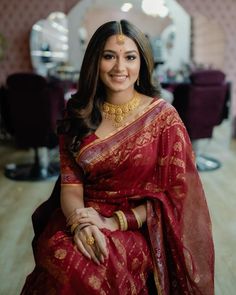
(113,43)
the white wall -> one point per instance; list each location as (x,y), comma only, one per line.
(75,21)
(181,46)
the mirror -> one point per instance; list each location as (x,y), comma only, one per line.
(58,43)
(81,27)
(49,43)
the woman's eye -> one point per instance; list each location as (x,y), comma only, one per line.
(131,57)
(108,56)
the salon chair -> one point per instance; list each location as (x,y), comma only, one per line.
(202,105)
(32,107)
(5,128)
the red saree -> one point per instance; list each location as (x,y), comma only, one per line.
(149,160)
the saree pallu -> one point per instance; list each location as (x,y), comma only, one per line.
(148,161)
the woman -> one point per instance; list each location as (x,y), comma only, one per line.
(130,192)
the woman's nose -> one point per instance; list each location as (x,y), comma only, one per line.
(120,65)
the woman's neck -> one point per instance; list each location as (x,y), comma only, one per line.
(120,97)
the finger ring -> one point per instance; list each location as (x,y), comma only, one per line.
(90,240)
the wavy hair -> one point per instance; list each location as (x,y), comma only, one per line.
(83,111)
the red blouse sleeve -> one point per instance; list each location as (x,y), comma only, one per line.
(71,172)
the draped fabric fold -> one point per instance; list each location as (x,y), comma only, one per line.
(149,160)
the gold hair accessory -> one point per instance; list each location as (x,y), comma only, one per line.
(90,240)
(118,112)
(120,38)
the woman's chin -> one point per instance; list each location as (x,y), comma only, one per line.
(117,87)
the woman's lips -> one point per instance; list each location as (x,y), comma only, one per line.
(118,78)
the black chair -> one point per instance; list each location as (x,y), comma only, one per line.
(32,108)
(5,127)
(203,104)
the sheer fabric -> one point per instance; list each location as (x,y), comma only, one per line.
(149,160)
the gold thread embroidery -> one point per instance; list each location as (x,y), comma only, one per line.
(94,282)
(120,247)
(177,162)
(60,254)
(177,146)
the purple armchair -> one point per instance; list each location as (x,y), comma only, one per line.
(202,104)
(32,108)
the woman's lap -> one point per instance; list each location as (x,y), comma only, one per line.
(124,272)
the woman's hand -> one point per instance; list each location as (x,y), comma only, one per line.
(91,216)
(91,243)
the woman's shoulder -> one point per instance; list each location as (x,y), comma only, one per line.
(162,110)
(157,102)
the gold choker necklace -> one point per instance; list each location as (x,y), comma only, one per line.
(118,112)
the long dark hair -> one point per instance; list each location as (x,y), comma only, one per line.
(83,112)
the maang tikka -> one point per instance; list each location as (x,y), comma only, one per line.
(120,38)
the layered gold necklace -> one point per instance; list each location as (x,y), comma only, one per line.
(118,112)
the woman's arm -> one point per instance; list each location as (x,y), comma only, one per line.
(71,198)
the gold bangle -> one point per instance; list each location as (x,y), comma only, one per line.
(125,220)
(139,221)
(123,224)
(120,219)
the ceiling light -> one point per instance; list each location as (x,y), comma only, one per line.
(126,7)
(155,8)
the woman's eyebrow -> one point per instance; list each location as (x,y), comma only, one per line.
(126,52)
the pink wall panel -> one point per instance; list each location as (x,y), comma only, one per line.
(224,13)
(16,20)
(209,42)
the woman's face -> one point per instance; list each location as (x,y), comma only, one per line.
(120,64)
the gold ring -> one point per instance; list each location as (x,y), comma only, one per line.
(90,241)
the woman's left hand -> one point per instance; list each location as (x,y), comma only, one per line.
(91,242)
(90,215)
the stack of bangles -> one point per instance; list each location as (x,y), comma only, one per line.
(128,219)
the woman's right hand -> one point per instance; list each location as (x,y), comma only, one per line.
(91,242)
(91,216)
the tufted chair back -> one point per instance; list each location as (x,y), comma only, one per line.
(201,103)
